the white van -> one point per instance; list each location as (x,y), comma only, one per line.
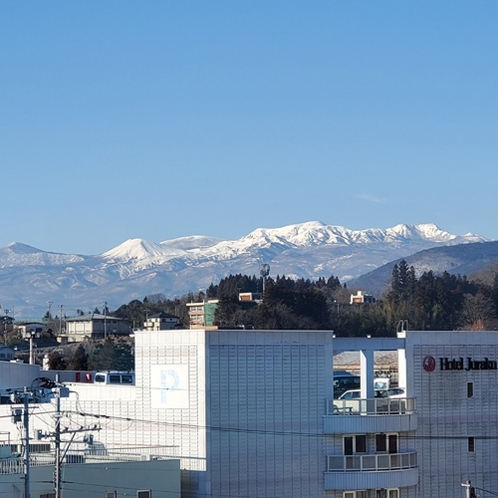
(115,378)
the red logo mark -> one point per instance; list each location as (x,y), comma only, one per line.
(429,364)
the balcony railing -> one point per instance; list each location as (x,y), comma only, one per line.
(373,406)
(377,462)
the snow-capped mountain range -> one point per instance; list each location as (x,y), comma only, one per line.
(30,277)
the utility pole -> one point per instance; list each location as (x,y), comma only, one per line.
(470,491)
(59,456)
(27,492)
(60,319)
(105,319)
(19,415)
(57,470)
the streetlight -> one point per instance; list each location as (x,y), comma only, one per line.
(30,335)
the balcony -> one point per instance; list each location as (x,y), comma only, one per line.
(355,416)
(375,471)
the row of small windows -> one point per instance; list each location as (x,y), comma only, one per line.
(384,443)
(108,494)
(140,494)
(33,448)
(379,493)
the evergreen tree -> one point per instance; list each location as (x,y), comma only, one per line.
(79,360)
(57,361)
(111,354)
(226,311)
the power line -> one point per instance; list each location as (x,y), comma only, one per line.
(262,431)
(221,429)
(486,491)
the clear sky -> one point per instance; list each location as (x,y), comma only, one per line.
(161,119)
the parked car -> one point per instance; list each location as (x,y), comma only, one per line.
(396,392)
(345,381)
(356,394)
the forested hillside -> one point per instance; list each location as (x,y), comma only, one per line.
(427,302)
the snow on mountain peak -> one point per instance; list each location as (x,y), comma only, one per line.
(19,248)
(301,234)
(136,249)
(316,233)
(191,242)
(425,231)
(140,267)
(18,254)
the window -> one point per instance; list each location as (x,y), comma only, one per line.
(380,443)
(470,389)
(355,494)
(355,444)
(471,445)
(144,494)
(387,493)
(39,448)
(47,495)
(386,442)
(111,494)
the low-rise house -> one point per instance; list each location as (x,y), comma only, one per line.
(361,297)
(31,327)
(93,326)
(251,297)
(6,353)
(162,321)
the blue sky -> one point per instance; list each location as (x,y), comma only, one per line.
(163,119)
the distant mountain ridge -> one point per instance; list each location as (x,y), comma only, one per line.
(464,259)
(30,277)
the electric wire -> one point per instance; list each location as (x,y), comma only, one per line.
(485,491)
(131,420)
(174,425)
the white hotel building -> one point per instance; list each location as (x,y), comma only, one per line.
(250,414)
